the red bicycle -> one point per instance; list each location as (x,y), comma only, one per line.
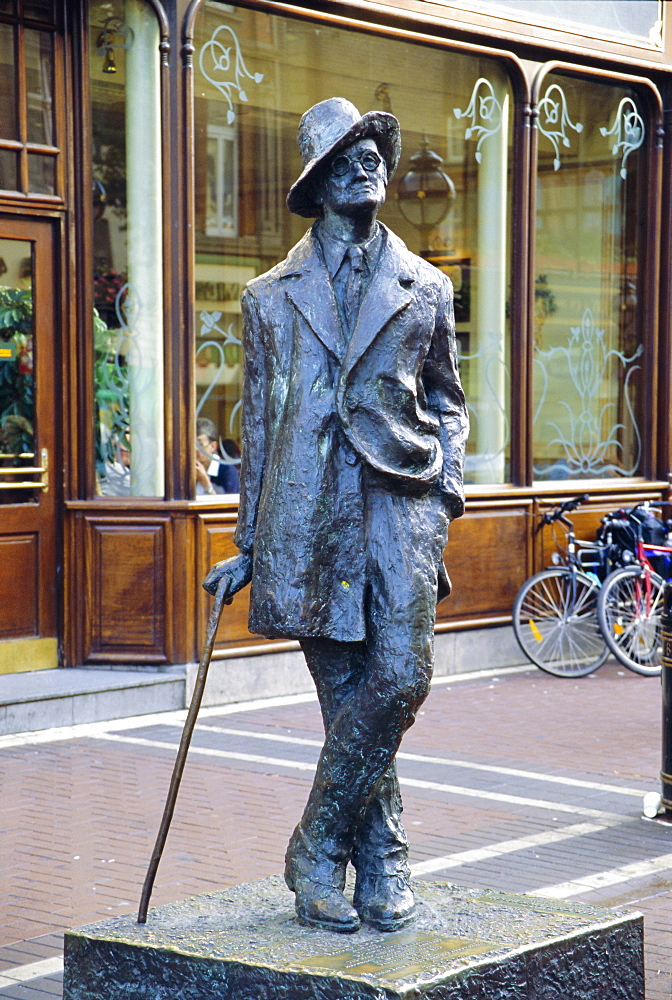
(630,601)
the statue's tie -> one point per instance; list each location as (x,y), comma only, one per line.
(352,296)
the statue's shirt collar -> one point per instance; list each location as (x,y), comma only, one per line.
(334,250)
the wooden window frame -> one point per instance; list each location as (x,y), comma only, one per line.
(650,262)
(22,146)
(82,469)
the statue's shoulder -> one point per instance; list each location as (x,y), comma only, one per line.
(426,275)
(267,283)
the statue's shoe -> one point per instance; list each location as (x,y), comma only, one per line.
(324,906)
(385,902)
(317,883)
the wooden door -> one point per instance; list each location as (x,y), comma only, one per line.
(28,439)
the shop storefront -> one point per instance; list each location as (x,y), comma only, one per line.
(145,154)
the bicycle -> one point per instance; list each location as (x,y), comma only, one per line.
(554,613)
(630,602)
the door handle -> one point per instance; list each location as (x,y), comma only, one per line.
(41,470)
(44,462)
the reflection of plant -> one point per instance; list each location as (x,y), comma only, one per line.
(544,299)
(109,170)
(110,393)
(544,305)
(17,382)
(106,287)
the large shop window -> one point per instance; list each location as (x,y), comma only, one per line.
(254,76)
(127,247)
(588,288)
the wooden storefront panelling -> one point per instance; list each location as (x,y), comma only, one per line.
(20,604)
(488,557)
(127,614)
(134,581)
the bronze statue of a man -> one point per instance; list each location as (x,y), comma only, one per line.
(354,425)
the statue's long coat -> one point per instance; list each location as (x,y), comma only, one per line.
(330,426)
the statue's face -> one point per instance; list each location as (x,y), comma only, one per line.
(354,180)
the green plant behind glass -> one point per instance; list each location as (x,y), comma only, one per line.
(17,381)
(110,381)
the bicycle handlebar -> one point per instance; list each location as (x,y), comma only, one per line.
(624,518)
(557,513)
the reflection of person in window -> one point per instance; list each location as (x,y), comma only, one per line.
(231,456)
(116,481)
(222,469)
(204,486)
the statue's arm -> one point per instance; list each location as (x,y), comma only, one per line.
(445,399)
(238,569)
(253,424)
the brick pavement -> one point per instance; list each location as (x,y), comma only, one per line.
(79,815)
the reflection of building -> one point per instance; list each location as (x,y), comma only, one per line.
(145,152)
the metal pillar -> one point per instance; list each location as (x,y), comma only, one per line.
(666,772)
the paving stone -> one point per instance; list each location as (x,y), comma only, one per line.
(74,805)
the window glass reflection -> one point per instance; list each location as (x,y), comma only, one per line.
(41,174)
(39,86)
(8,170)
(39,10)
(635,18)
(8,119)
(255,75)
(587,333)
(127,247)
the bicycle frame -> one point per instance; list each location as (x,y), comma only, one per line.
(577,553)
(554,618)
(642,550)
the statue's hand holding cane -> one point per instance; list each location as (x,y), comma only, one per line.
(237,571)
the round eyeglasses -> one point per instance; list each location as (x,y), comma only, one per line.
(340,165)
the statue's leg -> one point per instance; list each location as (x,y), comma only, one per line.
(316,859)
(406,538)
(336,678)
(359,749)
(379,832)
(367,728)
(381,844)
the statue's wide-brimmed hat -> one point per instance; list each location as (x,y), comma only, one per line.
(333,125)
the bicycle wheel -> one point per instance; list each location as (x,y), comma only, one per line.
(555,624)
(629,618)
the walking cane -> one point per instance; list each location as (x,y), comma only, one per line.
(221,598)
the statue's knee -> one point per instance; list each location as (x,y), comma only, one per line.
(406,694)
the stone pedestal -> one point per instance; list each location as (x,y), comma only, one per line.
(466,944)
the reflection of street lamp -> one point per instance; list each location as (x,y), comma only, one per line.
(115,35)
(425,193)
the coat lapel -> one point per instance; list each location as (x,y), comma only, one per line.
(388,293)
(311,292)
